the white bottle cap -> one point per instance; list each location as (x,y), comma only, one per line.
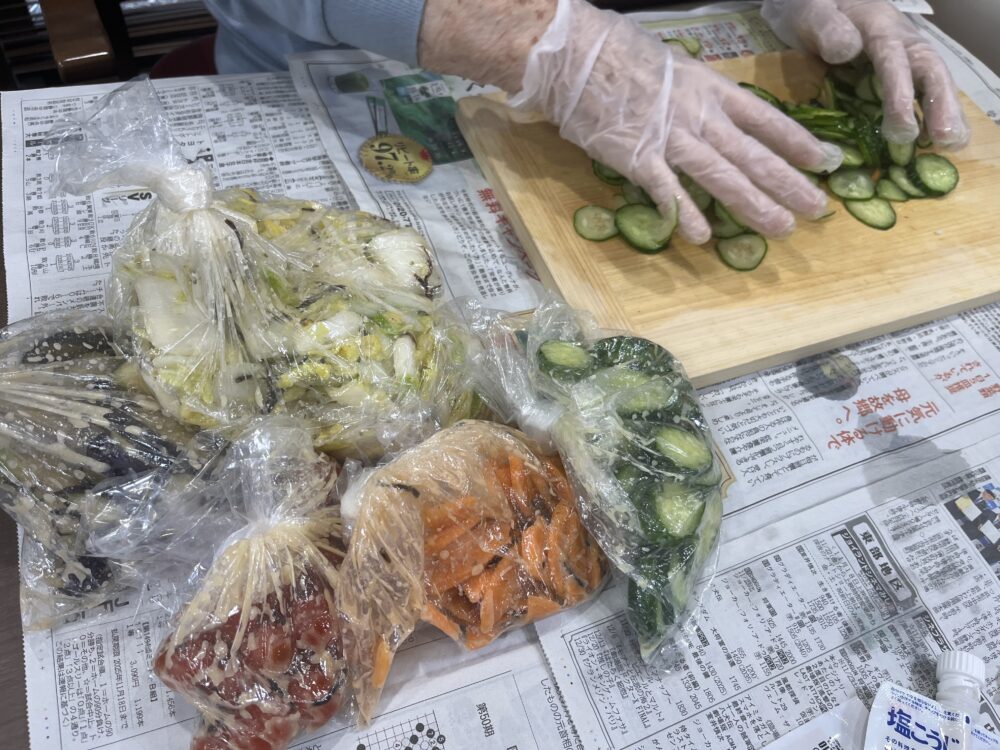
(961,678)
(962,664)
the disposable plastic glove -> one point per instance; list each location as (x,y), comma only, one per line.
(620,94)
(838,30)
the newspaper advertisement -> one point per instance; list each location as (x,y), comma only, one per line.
(253,130)
(90,685)
(805,614)
(391,131)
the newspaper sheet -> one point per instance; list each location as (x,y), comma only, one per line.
(363,102)
(912,445)
(253,130)
(90,686)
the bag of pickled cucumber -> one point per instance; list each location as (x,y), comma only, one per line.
(74,420)
(475,531)
(256,644)
(235,305)
(627,423)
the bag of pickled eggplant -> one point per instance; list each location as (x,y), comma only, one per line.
(257,646)
(75,421)
(234,305)
(627,423)
(474,531)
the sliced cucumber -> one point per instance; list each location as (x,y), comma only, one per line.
(682,448)
(637,353)
(645,228)
(877,89)
(901,153)
(852,155)
(644,400)
(701,197)
(678,508)
(924,140)
(764,94)
(607,174)
(852,184)
(725,226)
(565,360)
(864,90)
(898,175)
(876,213)
(687,43)
(635,194)
(933,174)
(595,223)
(889,190)
(744,252)
(650,617)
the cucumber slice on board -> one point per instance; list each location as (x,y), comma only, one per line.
(744,252)
(886,188)
(595,223)
(933,174)
(901,153)
(701,197)
(852,155)
(607,174)
(852,184)
(898,175)
(635,194)
(725,226)
(876,213)
(645,228)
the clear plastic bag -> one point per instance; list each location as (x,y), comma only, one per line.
(257,646)
(234,305)
(628,426)
(72,421)
(475,531)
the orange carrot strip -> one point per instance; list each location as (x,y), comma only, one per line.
(519,487)
(558,480)
(442,515)
(474,638)
(555,574)
(381,661)
(532,550)
(455,563)
(441,621)
(487,612)
(539,607)
(444,538)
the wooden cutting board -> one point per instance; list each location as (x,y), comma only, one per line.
(832,283)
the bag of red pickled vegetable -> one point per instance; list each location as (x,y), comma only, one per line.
(474,531)
(257,648)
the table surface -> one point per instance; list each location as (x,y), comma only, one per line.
(13,707)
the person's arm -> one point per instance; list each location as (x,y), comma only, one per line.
(486,42)
(628,101)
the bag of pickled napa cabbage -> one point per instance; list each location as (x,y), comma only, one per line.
(234,305)
(72,421)
(627,423)
(475,531)
(257,647)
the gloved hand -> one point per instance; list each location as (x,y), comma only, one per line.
(620,94)
(838,30)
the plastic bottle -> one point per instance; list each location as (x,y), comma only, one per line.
(961,678)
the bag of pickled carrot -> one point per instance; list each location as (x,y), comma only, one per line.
(475,531)
(257,649)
